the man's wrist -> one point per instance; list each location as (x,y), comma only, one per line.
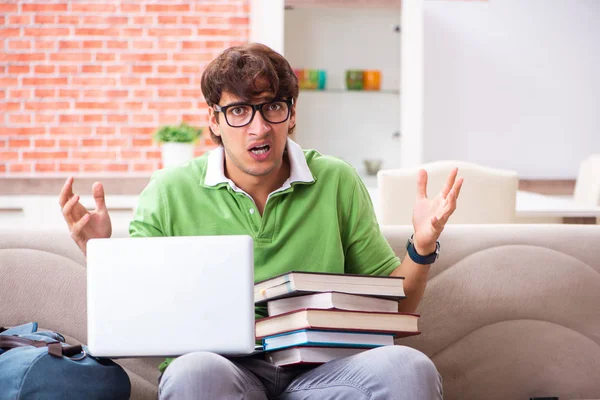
(425,250)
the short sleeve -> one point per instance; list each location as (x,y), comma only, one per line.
(149,218)
(366,250)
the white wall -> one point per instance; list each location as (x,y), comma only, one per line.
(350,125)
(513,84)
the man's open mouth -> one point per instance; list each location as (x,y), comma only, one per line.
(260,149)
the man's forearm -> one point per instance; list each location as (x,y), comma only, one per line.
(414,283)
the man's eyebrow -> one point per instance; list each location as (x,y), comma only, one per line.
(237,103)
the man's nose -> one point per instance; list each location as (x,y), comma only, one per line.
(258,125)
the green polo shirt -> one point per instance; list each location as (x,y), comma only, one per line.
(320,220)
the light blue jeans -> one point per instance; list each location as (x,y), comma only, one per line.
(389,372)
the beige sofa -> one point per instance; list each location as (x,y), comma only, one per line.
(510,312)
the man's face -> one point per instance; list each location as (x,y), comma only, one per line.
(257,148)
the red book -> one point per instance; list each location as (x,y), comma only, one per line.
(400,324)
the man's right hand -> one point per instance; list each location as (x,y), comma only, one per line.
(83,224)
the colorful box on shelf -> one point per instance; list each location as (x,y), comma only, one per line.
(358,79)
(311,79)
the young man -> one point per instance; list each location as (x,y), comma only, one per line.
(304,210)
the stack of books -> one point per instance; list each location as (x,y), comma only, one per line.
(317,317)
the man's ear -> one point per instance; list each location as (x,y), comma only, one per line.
(293,116)
(213,121)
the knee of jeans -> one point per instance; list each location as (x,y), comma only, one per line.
(195,365)
(414,358)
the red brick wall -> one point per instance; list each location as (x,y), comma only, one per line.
(84,84)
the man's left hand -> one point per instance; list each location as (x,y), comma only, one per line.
(431,215)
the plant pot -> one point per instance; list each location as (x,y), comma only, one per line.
(174,153)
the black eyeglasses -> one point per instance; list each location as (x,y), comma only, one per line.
(238,115)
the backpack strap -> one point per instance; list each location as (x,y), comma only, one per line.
(55,349)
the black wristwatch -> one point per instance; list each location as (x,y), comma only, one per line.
(419,259)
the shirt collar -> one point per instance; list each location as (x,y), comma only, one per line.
(299,171)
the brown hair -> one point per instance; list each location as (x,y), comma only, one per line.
(247,71)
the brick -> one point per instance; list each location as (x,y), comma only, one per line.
(45,19)
(19,118)
(118,143)
(215,45)
(45,44)
(117,44)
(141,69)
(116,93)
(168,19)
(45,32)
(133,106)
(41,7)
(215,8)
(153,155)
(167,69)
(44,69)
(136,130)
(93,44)
(20,167)
(145,20)
(12,143)
(193,45)
(143,118)
(11,106)
(105,130)
(96,105)
(69,93)
(21,131)
(117,167)
(94,81)
(2,166)
(142,44)
(93,168)
(193,20)
(93,118)
(130,81)
(45,118)
(44,155)
(44,81)
(68,143)
(196,93)
(26,57)
(168,81)
(91,69)
(132,32)
(94,154)
(92,142)
(90,7)
(8,8)
(19,20)
(70,44)
(143,93)
(71,130)
(114,32)
(44,143)
(104,20)
(45,167)
(167,44)
(131,155)
(116,69)
(71,57)
(45,93)
(105,57)
(137,167)
(198,57)
(143,57)
(115,118)
(68,20)
(162,8)
(69,118)
(191,69)
(168,93)
(131,8)
(20,93)
(18,69)
(193,119)
(170,32)
(68,69)
(69,167)
(50,105)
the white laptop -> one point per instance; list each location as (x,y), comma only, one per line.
(168,296)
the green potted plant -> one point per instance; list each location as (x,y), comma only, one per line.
(177,143)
